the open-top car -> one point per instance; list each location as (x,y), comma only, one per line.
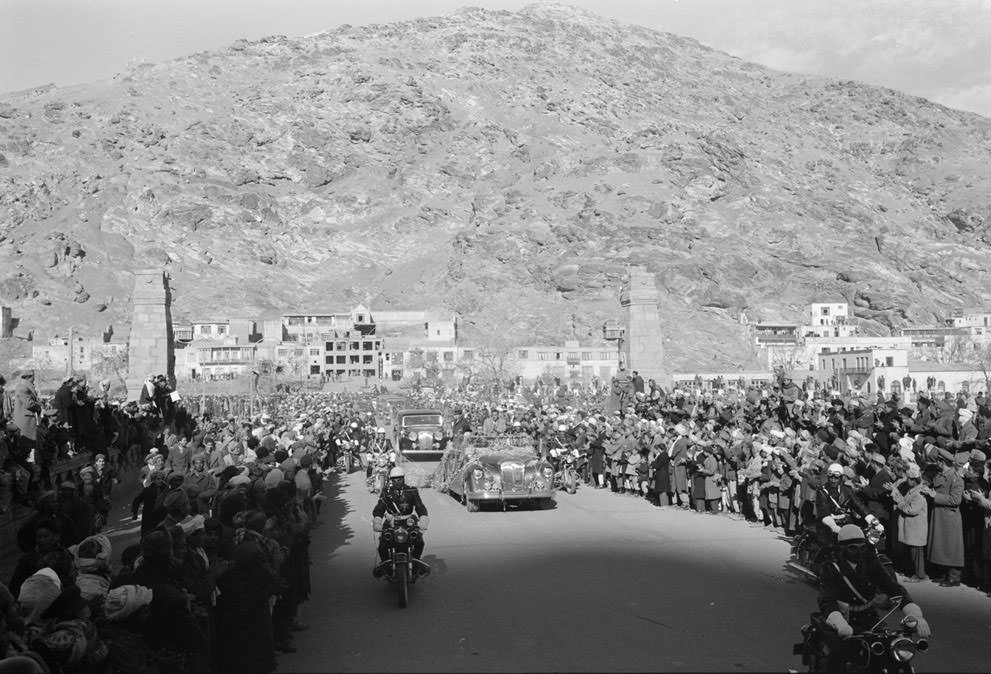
(419,433)
(500,469)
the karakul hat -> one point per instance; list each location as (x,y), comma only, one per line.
(978,455)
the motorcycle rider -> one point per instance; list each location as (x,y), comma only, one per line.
(834,500)
(378,445)
(399,499)
(848,592)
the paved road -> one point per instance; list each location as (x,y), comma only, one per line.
(604,582)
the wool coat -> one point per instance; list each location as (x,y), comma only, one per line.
(913,520)
(945,525)
(26,409)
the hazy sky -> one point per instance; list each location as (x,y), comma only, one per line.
(939,49)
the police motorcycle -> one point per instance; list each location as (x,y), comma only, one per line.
(566,462)
(878,648)
(808,554)
(351,442)
(381,462)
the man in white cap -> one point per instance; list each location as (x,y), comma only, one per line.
(836,502)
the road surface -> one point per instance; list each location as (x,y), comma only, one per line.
(603,582)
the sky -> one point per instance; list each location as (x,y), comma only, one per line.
(937,49)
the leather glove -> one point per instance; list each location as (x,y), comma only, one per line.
(377,524)
(831,523)
(839,623)
(423,523)
(871,519)
(922,628)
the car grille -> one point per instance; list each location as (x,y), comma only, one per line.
(512,476)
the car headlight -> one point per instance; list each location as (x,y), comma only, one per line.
(548,472)
(902,649)
(412,436)
(437,436)
(477,474)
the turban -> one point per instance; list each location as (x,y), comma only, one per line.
(273,477)
(37,593)
(122,601)
(92,553)
(965,414)
(192,524)
(239,480)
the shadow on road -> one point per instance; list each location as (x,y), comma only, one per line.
(332,515)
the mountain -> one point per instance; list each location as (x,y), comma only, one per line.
(507,166)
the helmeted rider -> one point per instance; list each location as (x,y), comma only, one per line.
(833,500)
(399,499)
(378,445)
(848,588)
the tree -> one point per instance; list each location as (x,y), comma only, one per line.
(960,349)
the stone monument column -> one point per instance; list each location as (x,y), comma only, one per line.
(643,348)
(150,346)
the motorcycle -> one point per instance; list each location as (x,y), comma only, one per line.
(382,463)
(567,475)
(401,568)
(808,555)
(877,649)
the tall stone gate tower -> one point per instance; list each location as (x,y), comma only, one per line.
(643,347)
(150,348)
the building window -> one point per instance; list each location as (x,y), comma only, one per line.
(355,346)
(314,352)
(397,357)
(329,346)
(889,361)
(468,354)
(221,329)
(366,359)
(586,355)
(448,356)
(367,346)
(605,355)
(298,352)
(341,360)
(329,360)
(206,329)
(281,353)
(522,355)
(543,355)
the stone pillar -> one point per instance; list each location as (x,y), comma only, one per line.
(643,348)
(150,347)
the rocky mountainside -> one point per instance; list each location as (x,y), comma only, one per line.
(507,166)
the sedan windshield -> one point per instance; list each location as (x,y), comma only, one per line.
(422,420)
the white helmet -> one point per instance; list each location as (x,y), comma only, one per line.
(562,428)
(834,469)
(354,424)
(397,472)
(380,430)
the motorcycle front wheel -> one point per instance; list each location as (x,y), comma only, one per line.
(570,482)
(402,584)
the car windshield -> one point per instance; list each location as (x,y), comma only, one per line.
(422,420)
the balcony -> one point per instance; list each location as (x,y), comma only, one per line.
(777,339)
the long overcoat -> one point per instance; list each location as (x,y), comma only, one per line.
(26,409)
(913,516)
(945,524)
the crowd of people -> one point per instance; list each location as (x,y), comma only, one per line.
(766,453)
(229,495)
(226,506)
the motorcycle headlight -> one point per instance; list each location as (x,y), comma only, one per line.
(387,536)
(401,536)
(902,649)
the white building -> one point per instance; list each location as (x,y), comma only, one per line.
(868,370)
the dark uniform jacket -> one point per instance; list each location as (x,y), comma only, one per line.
(404,502)
(856,587)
